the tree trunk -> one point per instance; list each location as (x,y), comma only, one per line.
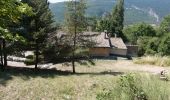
(36,55)
(73,63)
(5,54)
(75,36)
(2,64)
(1,54)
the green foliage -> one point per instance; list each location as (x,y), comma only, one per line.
(165,25)
(10,13)
(29,62)
(105,95)
(129,85)
(75,20)
(113,22)
(136,87)
(164,47)
(30,57)
(134,32)
(142,43)
(40,24)
(152,46)
(118,18)
(128,88)
(105,24)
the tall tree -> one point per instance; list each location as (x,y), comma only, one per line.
(39,25)
(113,22)
(10,12)
(164,26)
(75,23)
(118,18)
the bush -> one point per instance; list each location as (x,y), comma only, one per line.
(30,57)
(152,46)
(164,47)
(142,45)
(126,89)
(29,62)
(137,87)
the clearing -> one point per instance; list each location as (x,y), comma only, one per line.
(61,84)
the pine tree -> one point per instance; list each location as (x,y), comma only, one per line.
(39,25)
(75,23)
(113,22)
(118,18)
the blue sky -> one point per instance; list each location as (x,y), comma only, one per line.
(54,1)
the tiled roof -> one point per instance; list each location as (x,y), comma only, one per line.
(100,39)
(118,43)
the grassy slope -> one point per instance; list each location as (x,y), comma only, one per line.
(48,84)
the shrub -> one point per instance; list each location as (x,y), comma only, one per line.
(127,88)
(30,57)
(137,87)
(164,47)
(29,62)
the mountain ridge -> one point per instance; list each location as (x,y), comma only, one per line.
(149,11)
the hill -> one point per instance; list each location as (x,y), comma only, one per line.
(150,11)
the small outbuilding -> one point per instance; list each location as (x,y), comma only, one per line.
(118,47)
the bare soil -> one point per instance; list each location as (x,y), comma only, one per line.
(102,66)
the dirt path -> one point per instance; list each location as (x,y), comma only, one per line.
(105,65)
(125,65)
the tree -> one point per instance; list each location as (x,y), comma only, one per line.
(152,46)
(138,30)
(113,22)
(105,23)
(39,25)
(164,47)
(75,23)
(165,25)
(118,18)
(10,12)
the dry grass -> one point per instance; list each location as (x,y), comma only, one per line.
(154,60)
(26,84)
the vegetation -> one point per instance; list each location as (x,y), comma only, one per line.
(90,83)
(136,87)
(154,60)
(10,13)
(151,40)
(75,24)
(27,25)
(113,22)
(38,26)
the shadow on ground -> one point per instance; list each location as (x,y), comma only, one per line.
(27,73)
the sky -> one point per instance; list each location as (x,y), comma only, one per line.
(54,1)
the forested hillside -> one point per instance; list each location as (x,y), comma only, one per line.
(150,11)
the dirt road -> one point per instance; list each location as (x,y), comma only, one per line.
(104,65)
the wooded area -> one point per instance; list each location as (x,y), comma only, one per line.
(28,25)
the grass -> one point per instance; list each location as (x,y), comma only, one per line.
(137,87)
(88,84)
(26,84)
(154,60)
